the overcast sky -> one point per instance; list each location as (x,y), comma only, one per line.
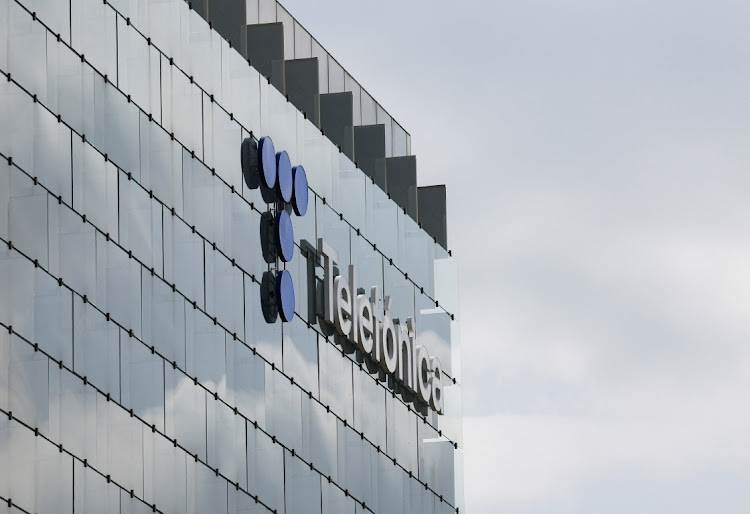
(597,158)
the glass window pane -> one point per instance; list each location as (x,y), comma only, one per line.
(51,154)
(252,12)
(335,77)
(133,505)
(390,482)
(401,433)
(161,164)
(246,382)
(140,224)
(265,466)
(226,442)
(319,52)
(336,380)
(369,407)
(27,218)
(278,119)
(54,14)
(73,414)
(334,501)
(369,110)
(181,107)
(382,217)
(164,473)
(183,255)
(205,491)
(118,284)
(5,174)
(224,294)
(72,248)
(139,69)
(240,89)
(415,253)
(384,119)
(205,350)
(70,86)
(163,319)
(400,290)
(283,410)
(222,139)
(349,186)
(28,384)
(302,486)
(436,462)
(42,480)
(446,281)
(284,17)
(400,140)
(142,381)
(316,157)
(319,438)
(369,262)
(121,443)
(25,44)
(97,348)
(434,332)
(301,353)
(302,42)
(95,187)
(36,306)
(185,412)
(93,34)
(451,421)
(355,467)
(267,11)
(357,92)
(91,492)
(206,201)
(201,52)
(335,232)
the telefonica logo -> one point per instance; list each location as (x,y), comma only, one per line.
(388,346)
(284,189)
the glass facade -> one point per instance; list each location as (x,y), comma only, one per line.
(137,371)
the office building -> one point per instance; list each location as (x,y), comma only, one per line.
(221,287)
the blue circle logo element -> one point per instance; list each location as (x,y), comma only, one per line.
(285,295)
(283,176)
(299,193)
(284,233)
(267,162)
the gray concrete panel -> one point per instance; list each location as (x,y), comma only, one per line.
(401,180)
(432,212)
(301,80)
(265,45)
(228,17)
(369,152)
(201,7)
(337,120)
